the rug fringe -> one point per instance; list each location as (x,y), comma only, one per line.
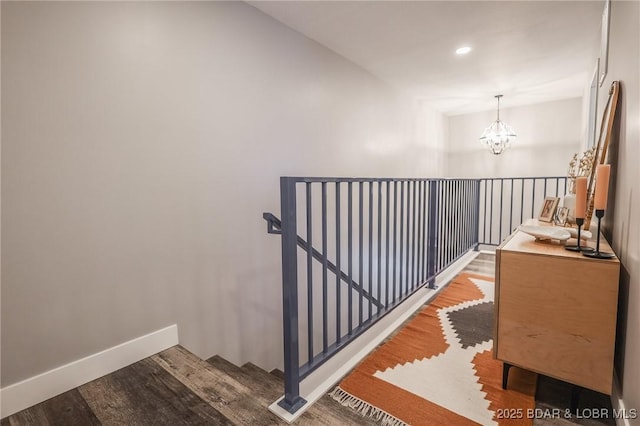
(364,408)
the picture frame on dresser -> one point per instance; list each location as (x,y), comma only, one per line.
(548,209)
(562,216)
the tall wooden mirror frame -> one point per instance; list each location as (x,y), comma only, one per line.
(600,156)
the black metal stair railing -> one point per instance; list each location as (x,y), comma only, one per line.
(413,228)
(399,235)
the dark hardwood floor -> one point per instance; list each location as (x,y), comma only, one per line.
(176,387)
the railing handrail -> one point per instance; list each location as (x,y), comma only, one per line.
(275,227)
(523,177)
(334,179)
(314,179)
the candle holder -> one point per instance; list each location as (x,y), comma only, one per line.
(597,254)
(578,247)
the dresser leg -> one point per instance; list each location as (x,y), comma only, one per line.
(575,398)
(505,374)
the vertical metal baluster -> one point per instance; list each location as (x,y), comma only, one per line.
(338,266)
(477,191)
(491,214)
(449,213)
(476,232)
(419,236)
(511,208)
(462,225)
(557,186)
(441,225)
(521,200)
(379,294)
(544,190)
(360,247)
(453,197)
(424,231)
(461,216)
(309,272)
(443,219)
(445,225)
(533,198)
(401,237)
(407,276)
(467,218)
(470,207)
(350,252)
(501,208)
(432,237)
(413,238)
(325,296)
(386,268)
(452,223)
(470,210)
(370,248)
(484,230)
(455,230)
(395,237)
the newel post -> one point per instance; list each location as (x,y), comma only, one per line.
(292,400)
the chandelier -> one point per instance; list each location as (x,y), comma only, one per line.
(499,135)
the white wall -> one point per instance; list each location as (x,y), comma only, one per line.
(548,135)
(141,144)
(623,226)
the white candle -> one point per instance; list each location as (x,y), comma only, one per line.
(581,197)
(602,186)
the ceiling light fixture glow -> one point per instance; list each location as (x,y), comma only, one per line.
(463,50)
(499,135)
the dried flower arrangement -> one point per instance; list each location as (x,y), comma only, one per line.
(580,167)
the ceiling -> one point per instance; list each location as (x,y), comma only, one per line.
(529,51)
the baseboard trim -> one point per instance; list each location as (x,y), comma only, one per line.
(39,388)
(331,372)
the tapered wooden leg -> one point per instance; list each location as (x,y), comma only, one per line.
(505,374)
(575,398)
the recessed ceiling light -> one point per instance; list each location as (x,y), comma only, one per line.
(463,50)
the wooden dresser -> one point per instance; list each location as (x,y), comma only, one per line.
(556,311)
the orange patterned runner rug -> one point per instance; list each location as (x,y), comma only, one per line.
(439,368)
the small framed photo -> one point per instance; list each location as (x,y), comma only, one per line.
(548,209)
(561,216)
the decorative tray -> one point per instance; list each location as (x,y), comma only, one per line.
(546,232)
